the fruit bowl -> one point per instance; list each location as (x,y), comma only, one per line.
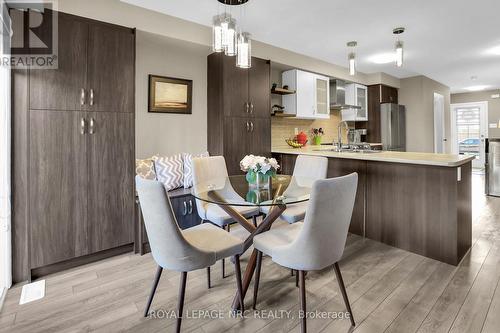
(294,144)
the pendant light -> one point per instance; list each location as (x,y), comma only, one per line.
(217,34)
(228,38)
(351,57)
(399,46)
(244,57)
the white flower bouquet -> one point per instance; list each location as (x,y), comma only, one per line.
(259,168)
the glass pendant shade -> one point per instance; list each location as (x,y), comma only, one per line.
(217,34)
(352,63)
(230,38)
(244,48)
(399,53)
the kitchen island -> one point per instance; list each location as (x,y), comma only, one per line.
(419,202)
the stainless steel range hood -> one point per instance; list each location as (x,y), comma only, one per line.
(337,96)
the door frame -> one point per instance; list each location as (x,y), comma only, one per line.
(483,114)
(443,127)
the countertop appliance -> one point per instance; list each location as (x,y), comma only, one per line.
(492,167)
(393,127)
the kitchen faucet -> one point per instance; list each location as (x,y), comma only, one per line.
(339,133)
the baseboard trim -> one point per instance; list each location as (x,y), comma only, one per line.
(64,265)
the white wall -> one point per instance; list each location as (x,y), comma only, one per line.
(162,133)
(417,94)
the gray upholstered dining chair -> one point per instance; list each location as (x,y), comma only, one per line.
(213,170)
(308,169)
(182,250)
(316,243)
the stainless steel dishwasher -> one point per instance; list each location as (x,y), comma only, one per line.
(492,182)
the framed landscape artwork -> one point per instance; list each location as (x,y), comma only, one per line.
(169,95)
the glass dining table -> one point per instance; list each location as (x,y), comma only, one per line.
(235,191)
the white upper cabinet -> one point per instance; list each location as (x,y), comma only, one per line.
(312,97)
(356,94)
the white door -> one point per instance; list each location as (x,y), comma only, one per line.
(322,97)
(439,139)
(469,129)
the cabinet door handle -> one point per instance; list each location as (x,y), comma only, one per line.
(91,130)
(82,126)
(82,96)
(91,97)
(246,107)
(184,211)
(248,127)
(251,126)
(190,211)
(251,108)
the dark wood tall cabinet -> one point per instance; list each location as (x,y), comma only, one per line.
(239,118)
(73,149)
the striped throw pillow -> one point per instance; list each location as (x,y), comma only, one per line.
(169,171)
(188,167)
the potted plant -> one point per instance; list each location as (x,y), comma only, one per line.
(259,169)
(317,133)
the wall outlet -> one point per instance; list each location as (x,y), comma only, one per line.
(295,131)
(495,96)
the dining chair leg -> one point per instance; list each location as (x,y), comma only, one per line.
(180,304)
(209,285)
(257,279)
(302,291)
(344,292)
(239,285)
(153,290)
(254,221)
(223,261)
(296,278)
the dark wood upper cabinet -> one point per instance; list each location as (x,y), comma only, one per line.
(61,88)
(110,53)
(57,195)
(259,83)
(111,181)
(235,88)
(388,94)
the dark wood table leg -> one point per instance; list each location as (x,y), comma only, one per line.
(266,224)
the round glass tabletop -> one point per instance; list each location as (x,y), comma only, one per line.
(237,191)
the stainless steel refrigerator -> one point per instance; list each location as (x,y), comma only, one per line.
(492,167)
(393,127)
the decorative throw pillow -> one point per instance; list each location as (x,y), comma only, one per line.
(188,167)
(169,171)
(145,168)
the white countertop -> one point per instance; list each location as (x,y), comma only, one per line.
(447,160)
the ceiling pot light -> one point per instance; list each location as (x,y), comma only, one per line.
(476,88)
(383,58)
(494,50)
(352,58)
(244,48)
(398,46)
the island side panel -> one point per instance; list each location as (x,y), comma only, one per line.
(415,208)
(464,206)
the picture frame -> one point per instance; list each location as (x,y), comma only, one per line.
(169,95)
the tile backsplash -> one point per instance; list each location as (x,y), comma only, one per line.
(283,128)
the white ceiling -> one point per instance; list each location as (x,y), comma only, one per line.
(446,40)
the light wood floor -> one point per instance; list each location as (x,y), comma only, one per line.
(390,291)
